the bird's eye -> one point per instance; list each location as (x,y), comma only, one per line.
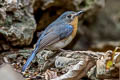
(69,16)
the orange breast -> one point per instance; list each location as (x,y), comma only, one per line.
(74,23)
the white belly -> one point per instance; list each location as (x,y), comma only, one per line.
(62,43)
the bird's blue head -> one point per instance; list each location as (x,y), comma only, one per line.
(69,16)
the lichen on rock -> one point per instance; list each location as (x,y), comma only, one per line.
(17,23)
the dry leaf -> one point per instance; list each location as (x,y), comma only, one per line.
(50,75)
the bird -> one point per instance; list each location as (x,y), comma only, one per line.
(57,35)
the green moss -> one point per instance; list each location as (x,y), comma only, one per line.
(8,21)
(89,2)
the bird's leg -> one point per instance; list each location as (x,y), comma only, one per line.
(64,50)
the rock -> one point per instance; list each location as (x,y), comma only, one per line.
(17,23)
(106,27)
(8,73)
(62,62)
(47,11)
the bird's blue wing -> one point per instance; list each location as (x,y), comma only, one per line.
(64,31)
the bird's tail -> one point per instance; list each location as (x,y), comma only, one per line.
(29,60)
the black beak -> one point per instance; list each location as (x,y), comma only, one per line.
(78,13)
